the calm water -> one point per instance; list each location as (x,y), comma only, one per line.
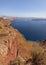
(31,29)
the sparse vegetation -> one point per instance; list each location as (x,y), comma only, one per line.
(38,55)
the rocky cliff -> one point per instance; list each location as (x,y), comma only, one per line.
(16,50)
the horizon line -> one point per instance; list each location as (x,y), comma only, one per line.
(23,16)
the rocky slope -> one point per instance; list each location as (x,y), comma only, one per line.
(16,50)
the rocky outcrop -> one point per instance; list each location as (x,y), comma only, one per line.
(16,50)
(10,45)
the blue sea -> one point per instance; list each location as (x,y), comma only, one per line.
(32,29)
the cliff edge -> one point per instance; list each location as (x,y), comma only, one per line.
(16,50)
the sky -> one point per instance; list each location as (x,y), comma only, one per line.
(23,8)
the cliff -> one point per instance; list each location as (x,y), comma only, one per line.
(12,43)
(16,50)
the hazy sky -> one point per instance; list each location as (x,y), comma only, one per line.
(28,8)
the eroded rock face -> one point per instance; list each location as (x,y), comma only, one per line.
(8,43)
(10,46)
(3,50)
(8,53)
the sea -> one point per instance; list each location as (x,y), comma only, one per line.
(31,28)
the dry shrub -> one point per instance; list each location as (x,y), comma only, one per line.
(38,55)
